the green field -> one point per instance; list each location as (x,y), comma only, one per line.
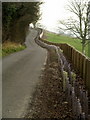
(65,39)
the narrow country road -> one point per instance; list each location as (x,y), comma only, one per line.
(20,75)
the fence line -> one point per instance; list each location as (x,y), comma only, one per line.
(80,62)
(76,94)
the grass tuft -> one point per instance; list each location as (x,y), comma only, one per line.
(11,47)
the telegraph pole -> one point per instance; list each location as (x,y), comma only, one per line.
(89,28)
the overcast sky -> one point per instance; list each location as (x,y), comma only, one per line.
(53,11)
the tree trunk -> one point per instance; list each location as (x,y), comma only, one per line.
(89,50)
(83,49)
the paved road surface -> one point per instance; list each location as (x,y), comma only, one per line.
(21,73)
(0,88)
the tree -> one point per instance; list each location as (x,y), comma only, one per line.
(78,23)
(16,16)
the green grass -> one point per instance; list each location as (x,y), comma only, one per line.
(9,47)
(65,39)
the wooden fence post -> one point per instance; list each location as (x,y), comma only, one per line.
(65,50)
(84,68)
(71,53)
(77,61)
(81,65)
(88,75)
(73,58)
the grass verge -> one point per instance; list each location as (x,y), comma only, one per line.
(11,47)
(65,39)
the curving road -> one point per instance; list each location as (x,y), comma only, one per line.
(20,75)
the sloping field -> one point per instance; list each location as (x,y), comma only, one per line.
(65,39)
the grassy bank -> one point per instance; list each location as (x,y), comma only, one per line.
(11,47)
(65,39)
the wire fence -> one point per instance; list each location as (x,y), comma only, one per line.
(77,96)
(80,62)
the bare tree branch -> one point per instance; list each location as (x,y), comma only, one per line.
(78,26)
